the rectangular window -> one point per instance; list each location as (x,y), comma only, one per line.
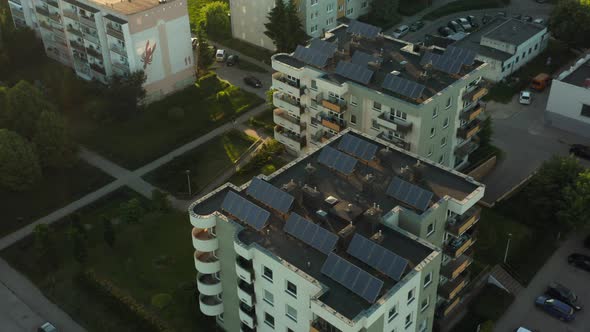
(269,298)
(330,7)
(425,303)
(536,45)
(376,106)
(349,11)
(428,277)
(401,115)
(269,320)
(314,2)
(530,50)
(330,21)
(432,132)
(353,119)
(291,313)
(585,110)
(443,142)
(291,289)
(435,112)
(517,59)
(449,102)
(430,229)
(340,8)
(411,295)
(374,124)
(408,320)
(441,159)
(364,4)
(392,313)
(314,85)
(314,28)
(267,273)
(430,150)
(353,101)
(446,122)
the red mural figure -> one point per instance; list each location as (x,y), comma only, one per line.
(148,54)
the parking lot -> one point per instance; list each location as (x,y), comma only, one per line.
(523,312)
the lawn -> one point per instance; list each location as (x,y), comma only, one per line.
(461,6)
(488,305)
(206,163)
(269,159)
(56,189)
(166,124)
(249,66)
(264,121)
(151,257)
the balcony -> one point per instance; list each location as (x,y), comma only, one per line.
(210,305)
(52,3)
(206,262)
(112,31)
(97,69)
(290,105)
(121,68)
(389,121)
(91,37)
(246,293)
(337,106)
(247,315)
(245,328)
(476,93)
(89,21)
(457,246)
(451,288)
(70,14)
(465,149)
(16,2)
(77,46)
(244,269)
(118,49)
(74,31)
(469,129)
(94,52)
(293,141)
(455,267)
(460,224)
(281,83)
(283,119)
(203,221)
(333,123)
(208,284)
(472,113)
(204,241)
(42,10)
(400,143)
(445,309)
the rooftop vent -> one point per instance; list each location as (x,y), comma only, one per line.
(395,72)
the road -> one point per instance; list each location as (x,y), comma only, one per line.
(522,312)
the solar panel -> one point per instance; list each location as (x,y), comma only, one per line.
(403,86)
(409,193)
(310,56)
(337,160)
(363,29)
(429,58)
(270,195)
(451,60)
(310,233)
(357,147)
(245,210)
(323,46)
(358,73)
(377,257)
(362,59)
(467,57)
(352,277)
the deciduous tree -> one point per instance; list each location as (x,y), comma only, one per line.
(383,11)
(131,211)
(44,243)
(570,22)
(55,147)
(160,200)
(214,19)
(24,104)
(19,165)
(125,93)
(576,212)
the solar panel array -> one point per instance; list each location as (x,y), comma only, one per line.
(310,56)
(451,60)
(352,277)
(409,193)
(377,257)
(357,147)
(245,210)
(337,160)
(363,29)
(323,46)
(270,195)
(363,59)
(467,57)
(403,86)
(310,233)
(352,71)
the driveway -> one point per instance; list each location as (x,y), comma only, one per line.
(523,312)
(236,77)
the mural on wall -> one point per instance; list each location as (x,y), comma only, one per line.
(148,54)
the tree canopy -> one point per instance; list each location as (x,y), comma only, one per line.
(570,22)
(19,165)
(214,19)
(284,26)
(54,145)
(24,104)
(383,11)
(576,213)
(125,93)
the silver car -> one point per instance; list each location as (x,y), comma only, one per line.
(400,31)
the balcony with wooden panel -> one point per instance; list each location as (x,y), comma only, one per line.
(455,267)
(334,123)
(475,93)
(469,130)
(334,105)
(289,104)
(458,225)
(457,246)
(472,113)
(452,288)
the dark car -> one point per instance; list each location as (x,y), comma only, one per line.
(252,81)
(232,60)
(486,19)
(580,261)
(416,26)
(582,151)
(445,31)
(555,308)
(563,294)
(527,18)
(517,16)
(472,20)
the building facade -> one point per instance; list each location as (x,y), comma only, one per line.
(105,37)
(568,107)
(315,101)
(317,16)
(265,252)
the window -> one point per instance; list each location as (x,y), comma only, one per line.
(432,132)
(314,2)
(392,313)
(536,45)
(428,277)
(314,85)
(441,159)
(269,297)
(269,320)
(443,142)
(364,4)
(435,112)
(374,124)
(289,330)
(349,11)
(330,7)
(399,135)
(530,50)
(446,122)
(400,114)
(291,313)
(585,110)
(220,317)
(291,289)
(340,8)
(353,119)
(523,54)
(425,303)
(430,150)
(408,320)
(330,21)
(411,295)
(430,229)
(267,273)
(353,101)
(314,28)
(517,59)
(376,106)
(449,102)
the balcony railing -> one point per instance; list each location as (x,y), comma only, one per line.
(293,141)
(451,288)
(112,31)
(52,3)
(333,105)
(457,246)
(335,124)
(94,52)
(121,67)
(287,103)
(43,11)
(246,287)
(77,46)
(395,141)
(455,267)
(389,121)
(283,84)
(75,31)
(97,68)
(464,149)
(469,129)
(118,49)
(16,2)
(71,14)
(460,224)
(446,308)
(283,119)
(476,93)
(91,37)
(472,113)
(87,21)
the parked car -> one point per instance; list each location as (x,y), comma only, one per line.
(400,31)
(46,327)
(541,81)
(582,151)
(525,98)
(456,27)
(473,21)
(539,21)
(220,55)
(486,19)
(416,26)
(252,81)
(232,60)
(527,18)
(445,31)
(501,13)
(563,294)
(465,24)
(517,16)
(194,42)
(555,308)
(524,329)
(580,261)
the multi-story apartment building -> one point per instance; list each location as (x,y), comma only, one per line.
(423,99)
(358,235)
(317,16)
(100,38)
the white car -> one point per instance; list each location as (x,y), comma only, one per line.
(539,21)
(220,55)
(400,31)
(525,98)
(522,329)
(465,24)
(47,327)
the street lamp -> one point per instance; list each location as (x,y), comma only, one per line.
(507,247)
(188,180)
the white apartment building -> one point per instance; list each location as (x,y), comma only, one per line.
(317,16)
(423,99)
(100,38)
(568,107)
(332,242)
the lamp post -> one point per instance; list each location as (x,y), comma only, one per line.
(188,180)
(507,247)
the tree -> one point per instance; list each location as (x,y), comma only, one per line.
(24,104)
(576,211)
(19,165)
(161,201)
(79,249)
(384,11)
(570,22)
(44,243)
(284,26)
(108,232)
(205,53)
(131,211)
(487,326)
(125,94)
(214,18)
(54,145)
(486,132)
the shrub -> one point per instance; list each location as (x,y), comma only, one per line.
(176,113)
(161,300)
(223,97)
(268,169)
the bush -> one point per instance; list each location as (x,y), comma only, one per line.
(268,169)
(161,300)
(127,304)
(264,157)
(176,113)
(223,97)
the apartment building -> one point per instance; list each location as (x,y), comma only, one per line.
(358,235)
(100,38)
(423,99)
(317,16)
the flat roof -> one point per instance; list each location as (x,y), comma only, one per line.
(473,41)
(362,202)
(126,7)
(579,76)
(514,31)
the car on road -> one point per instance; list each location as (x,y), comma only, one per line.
(525,98)
(252,81)
(555,308)
(517,16)
(563,294)
(400,31)
(465,24)
(523,329)
(220,55)
(472,20)
(455,26)
(47,327)
(445,31)
(416,26)
(580,261)
(232,60)
(582,151)
(486,19)
(539,21)
(527,18)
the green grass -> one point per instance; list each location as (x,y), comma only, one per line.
(412,7)
(461,6)
(56,189)
(249,66)
(206,163)
(267,161)
(489,304)
(263,121)
(147,136)
(149,258)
